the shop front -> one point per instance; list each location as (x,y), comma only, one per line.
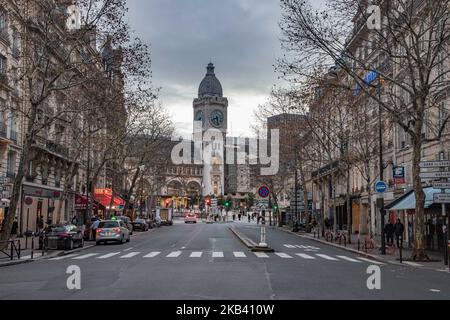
(43,202)
(404,207)
(108,204)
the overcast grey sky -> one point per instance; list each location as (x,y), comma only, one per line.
(241,38)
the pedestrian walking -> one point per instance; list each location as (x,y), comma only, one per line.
(40,224)
(234,216)
(440,234)
(389,232)
(399,228)
(14,228)
(94,228)
(248,217)
(240,215)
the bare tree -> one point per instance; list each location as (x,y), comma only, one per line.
(405,53)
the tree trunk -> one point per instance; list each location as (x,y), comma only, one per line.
(21,171)
(419,252)
(67,183)
(130,191)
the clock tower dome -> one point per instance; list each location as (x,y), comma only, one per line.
(210,107)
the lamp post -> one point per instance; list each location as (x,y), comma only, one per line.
(380,200)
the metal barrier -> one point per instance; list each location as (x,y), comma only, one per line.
(12,248)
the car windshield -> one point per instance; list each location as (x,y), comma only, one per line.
(108,224)
(139,220)
(57,229)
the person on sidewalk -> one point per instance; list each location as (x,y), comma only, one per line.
(14,228)
(94,228)
(399,228)
(389,232)
(248,217)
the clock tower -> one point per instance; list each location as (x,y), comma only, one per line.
(211,109)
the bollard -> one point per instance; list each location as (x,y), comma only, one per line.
(11,242)
(345,242)
(358,244)
(19,249)
(32,249)
(401,254)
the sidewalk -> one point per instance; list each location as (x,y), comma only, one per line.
(436,263)
(26,252)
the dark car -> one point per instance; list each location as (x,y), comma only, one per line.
(140,224)
(65,237)
(127,222)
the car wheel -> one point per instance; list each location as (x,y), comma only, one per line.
(70,246)
(97,243)
(128,240)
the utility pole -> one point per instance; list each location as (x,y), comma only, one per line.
(380,201)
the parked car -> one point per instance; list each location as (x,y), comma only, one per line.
(127,222)
(140,224)
(61,236)
(112,230)
(190,217)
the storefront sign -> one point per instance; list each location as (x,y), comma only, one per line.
(441,198)
(41,192)
(437,174)
(399,175)
(434,164)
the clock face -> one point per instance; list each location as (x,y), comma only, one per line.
(199,116)
(216,118)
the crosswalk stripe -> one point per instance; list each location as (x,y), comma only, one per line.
(261,255)
(64,257)
(239,254)
(348,259)
(290,246)
(196,254)
(85,256)
(327,257)
(109,255)
(371,261)
(130,255)
(217,254)
(152,254)
(283,255)
(305,256)
(174,254)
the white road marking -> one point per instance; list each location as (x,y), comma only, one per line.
(174,254)
(128,249)
(109,255)
(239,254)
(217,254)
(65,257)
(348,259)
(261,255)
(196,254)
(371,261)
(85,256)
(412,264)
(283,255)
(435,290)
(327,257)
(290,246)
(130,255)
(152,254)
(305,256)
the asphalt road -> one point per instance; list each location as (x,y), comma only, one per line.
(207,261)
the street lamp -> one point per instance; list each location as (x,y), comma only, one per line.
(380,137)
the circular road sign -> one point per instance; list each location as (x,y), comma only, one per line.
(264,192)
(381,187)
(28,201)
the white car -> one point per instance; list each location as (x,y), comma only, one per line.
(112,230)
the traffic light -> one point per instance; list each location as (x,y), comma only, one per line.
(227,204)
(167,202)
(207,201)
(275,207)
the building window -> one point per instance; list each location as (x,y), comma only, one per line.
(3,65)
(11,165)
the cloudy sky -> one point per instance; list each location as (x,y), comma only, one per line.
(241,37)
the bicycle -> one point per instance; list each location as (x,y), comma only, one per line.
(329,236)
(390,248)
(341,237)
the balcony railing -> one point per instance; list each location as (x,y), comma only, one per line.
(57,148)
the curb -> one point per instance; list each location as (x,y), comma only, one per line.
(245,240)
(14,262)
(366,255)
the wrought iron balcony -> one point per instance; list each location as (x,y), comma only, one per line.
(13,136)
(4,36)
(3,130)
(57,148)
(10,174)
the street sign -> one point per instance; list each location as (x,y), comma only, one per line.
(264,192)
(434,164)
(436,174)
(441,185)
(381,187)
(28,201)
(441,198)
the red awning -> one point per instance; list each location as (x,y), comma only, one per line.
(105,200)
(80,202)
